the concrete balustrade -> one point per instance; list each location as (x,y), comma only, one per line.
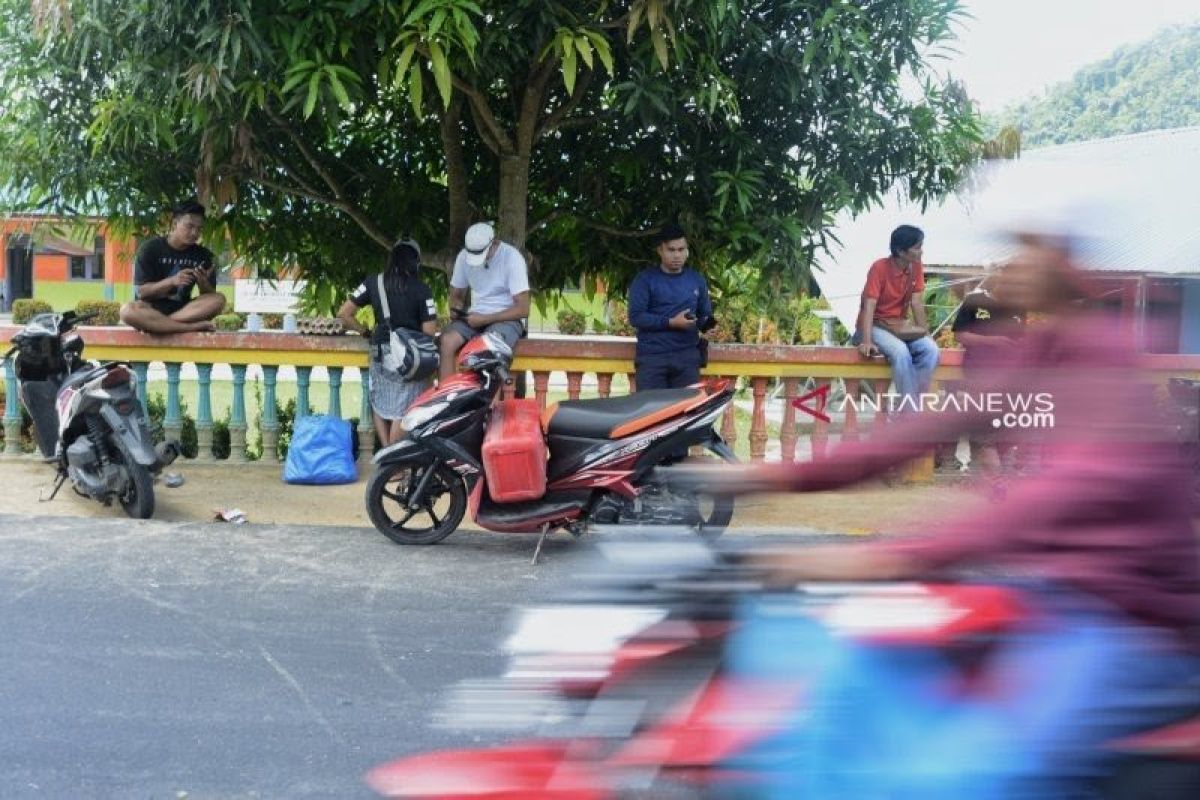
(583,362)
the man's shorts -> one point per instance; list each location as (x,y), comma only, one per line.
(510,331)
(166,306)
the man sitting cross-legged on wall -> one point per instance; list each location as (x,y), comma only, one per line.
(165,270)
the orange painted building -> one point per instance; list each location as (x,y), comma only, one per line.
(38,260)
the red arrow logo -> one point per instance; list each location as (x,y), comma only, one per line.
(821,397)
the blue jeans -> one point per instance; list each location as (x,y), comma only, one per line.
(912,363)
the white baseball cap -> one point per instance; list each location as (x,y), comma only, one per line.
(476,243)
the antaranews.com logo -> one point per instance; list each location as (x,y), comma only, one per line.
(1008,410)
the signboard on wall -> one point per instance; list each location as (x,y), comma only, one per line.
(267,297)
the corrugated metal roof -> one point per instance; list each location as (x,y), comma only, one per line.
(1133,202)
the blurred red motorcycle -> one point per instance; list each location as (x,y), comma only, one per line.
(623,690)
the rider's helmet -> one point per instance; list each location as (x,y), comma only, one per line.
(484,351)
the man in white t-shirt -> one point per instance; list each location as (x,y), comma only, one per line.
(495,274)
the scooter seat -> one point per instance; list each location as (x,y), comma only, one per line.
(80,377)
(615,417)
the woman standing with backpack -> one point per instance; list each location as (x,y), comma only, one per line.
(402,303)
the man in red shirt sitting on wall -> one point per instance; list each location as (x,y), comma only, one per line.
(896,285)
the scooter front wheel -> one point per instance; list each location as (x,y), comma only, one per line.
(439,508)
(138,497)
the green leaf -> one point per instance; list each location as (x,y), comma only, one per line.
(298,77)
(660,47)
(314,89)
(415,88)
(439,18)
(339,91)
(384,71)
(603,50)
(635,16)
(585,50)
(406,56)
(568,65)
(421,10)
(441,72)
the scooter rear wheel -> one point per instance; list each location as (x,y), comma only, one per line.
(715,509)
(440,512)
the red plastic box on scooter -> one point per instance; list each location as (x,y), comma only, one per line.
(514,452)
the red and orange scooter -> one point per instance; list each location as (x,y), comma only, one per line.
(521,469)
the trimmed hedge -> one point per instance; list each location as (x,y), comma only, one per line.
(25,309)
(108,312)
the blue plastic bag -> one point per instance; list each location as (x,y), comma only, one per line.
(321,452)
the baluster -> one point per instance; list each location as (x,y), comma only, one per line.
(335,392)
(173,420)
(366,422)
(758,421)
(237,416)
(853,391)
(574,382)
(729,421)
(604,383)
(142,370)
(303,376)
(632,381)
(787,434)
(269,419)
(541,386)
(204,419)
(881,387)
(943,454)
(820,433)
(12,410)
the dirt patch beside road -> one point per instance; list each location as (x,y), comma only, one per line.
(258,490)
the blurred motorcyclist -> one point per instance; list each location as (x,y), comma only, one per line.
(1105,523)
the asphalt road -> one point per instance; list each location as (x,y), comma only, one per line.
(207,660)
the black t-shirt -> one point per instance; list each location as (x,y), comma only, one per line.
(156,261)
(411,306)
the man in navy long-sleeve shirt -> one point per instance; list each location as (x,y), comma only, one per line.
(668,304)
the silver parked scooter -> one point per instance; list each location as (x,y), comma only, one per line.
(86,417)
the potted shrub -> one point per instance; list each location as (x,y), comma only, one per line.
(619,320)
(571,322)
(228,322)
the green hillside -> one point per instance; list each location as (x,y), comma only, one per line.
(1144,87)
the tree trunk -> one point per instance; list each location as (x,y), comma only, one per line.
(514,164)
(514,199)
(456,175)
